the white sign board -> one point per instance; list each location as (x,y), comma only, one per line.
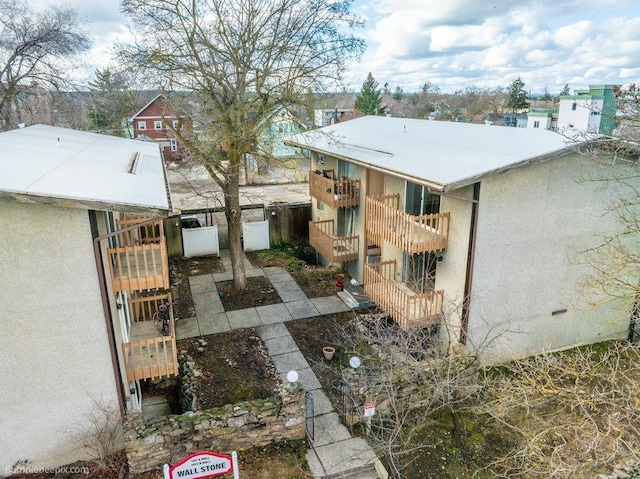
(369,409)
(202,465)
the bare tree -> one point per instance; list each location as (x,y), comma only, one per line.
(571,414)
(419,382)
(241,59)
(36,49)
(614,263)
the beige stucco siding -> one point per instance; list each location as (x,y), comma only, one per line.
(54,352)
(532,222)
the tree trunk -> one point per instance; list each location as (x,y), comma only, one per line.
(459,432)
(233,214)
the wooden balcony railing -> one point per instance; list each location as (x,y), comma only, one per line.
(408,308)
(335,193)
(139,259)
(410,233)
(336,249)
(141,267)
(143,307)
(148,354)
(150,233)
(151,358)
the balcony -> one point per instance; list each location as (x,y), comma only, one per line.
(412,234)
(138,258)
(408,308)
(139,267)
(147,354)
(336,249)
(335,193)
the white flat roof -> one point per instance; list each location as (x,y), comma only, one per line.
(445,155)
(82,169)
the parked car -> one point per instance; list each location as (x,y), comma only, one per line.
(191,221)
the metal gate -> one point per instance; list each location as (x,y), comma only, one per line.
(309,417)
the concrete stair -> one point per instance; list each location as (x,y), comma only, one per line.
(355,297)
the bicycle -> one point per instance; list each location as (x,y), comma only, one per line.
(162,319)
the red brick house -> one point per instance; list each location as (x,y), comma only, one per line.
(148,123)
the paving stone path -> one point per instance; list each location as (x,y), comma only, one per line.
(335,454)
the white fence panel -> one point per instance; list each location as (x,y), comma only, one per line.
(256,235)
(200,241)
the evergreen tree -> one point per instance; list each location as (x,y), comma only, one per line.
(565,90)
(398,94)
(111,102)
(369,100)
(517,97)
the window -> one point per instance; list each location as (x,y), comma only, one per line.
(157,125)
(419,201)
(174,144)
(175,124)
(536,124)
(419,271)
(573,107)
(594,113)
(142,125)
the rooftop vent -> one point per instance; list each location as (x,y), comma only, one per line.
(134,163)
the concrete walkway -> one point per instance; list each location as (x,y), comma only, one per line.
(335,454)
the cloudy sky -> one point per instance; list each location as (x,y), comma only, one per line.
(460,43)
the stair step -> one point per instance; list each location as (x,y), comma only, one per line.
(355,297)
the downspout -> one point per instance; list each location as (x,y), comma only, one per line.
(104,294)
(108,322)
(466,303)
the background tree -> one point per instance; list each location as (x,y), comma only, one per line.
(425,100)
(36,50)
(565,90)
(369,100)
(546,96)
(112,100)
(398,94)
(517,96)
(241,59)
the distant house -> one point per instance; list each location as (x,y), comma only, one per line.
(545,118)
(149,123)
(589,111)
(466,229)
(82,240)
(270,153)
(331,116)
(517,120)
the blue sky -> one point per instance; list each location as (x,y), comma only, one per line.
(460,43)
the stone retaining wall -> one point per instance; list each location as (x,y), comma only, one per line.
(166,440)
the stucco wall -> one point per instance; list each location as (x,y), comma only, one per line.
(532,222)
(53,347)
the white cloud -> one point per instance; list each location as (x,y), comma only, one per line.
(465,42)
